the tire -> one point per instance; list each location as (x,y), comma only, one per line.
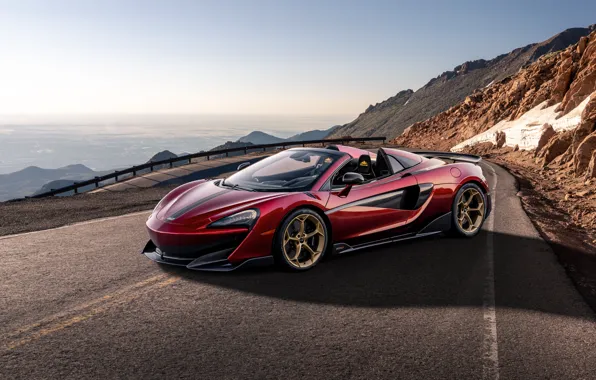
(470,225)
(293,248)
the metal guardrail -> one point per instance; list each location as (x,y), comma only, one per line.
(188,157)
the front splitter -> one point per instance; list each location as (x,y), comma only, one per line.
(204,263)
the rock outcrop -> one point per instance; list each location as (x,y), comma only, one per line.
(591,172)
(583,154)
(585,127)
(501,139)
(554,148)
(546,134)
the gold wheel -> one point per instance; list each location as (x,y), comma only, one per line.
(470,210)
(303,241)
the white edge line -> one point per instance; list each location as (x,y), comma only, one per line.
(490,359)
(77,224)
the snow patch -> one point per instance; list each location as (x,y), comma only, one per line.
(407,101)
(490,84)
(525,131)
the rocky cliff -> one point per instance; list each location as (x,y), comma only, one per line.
(392,116)
(555,86)
(541,120)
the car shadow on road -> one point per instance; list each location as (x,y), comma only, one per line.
(431,272)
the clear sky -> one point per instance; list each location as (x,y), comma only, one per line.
(259,57)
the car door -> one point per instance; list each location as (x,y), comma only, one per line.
(371,212)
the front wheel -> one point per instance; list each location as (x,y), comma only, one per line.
(301,240)
(468,211)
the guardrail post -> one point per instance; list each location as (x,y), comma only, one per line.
(207,158)
(264,149)
(76,190)
(96,182)
(134,173)
(116,178)
(189,160)
(245,151)
(151,167)
(171,164)
(227,154)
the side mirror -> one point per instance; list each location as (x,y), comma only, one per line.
(350,179)
(243,165)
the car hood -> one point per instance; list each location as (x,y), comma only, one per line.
(206,200)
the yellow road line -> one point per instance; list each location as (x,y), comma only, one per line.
(57,322)
(86,305)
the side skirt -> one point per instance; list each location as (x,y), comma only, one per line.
(437,226)
(226,266)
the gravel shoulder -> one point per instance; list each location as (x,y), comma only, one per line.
(39,214)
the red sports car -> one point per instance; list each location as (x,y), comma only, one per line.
(297,206)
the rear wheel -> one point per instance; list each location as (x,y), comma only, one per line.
(301,241)
(468,211)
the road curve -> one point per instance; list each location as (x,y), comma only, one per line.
(80,302)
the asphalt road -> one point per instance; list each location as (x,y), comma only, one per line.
(81,302)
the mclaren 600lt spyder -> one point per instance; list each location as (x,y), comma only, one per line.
(296,206)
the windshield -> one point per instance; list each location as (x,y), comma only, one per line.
(291,170)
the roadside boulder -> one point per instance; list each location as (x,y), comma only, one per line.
(501,138)
(591,172)
(585,127)
(555,147)
(547,132)
(583,155)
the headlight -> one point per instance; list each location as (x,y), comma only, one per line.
(242,218)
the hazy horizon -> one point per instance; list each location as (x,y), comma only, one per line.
(118,143)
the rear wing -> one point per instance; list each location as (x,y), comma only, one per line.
(463,157)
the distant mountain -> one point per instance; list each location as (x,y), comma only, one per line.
(317,134)
(258,137)
(163,155)
(231,145)
(57,184)
(29,180)
(392,116)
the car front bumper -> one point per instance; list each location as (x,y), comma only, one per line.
(211,262)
